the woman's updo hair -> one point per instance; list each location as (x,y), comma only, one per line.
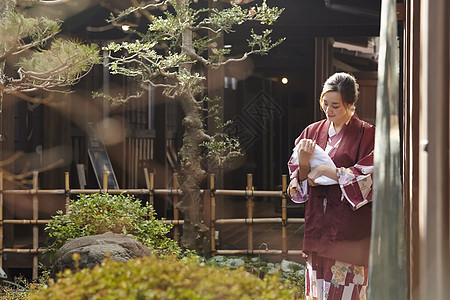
(343,83)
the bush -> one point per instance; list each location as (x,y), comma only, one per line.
(153,278)
(21,287)
(291,274)
(14,290)
(100,213)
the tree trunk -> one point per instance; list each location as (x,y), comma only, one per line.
(192,174)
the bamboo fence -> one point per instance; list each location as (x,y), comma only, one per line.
(249,193)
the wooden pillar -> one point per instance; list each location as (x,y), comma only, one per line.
(387,266)
(323,69)
(434,152)
(411,144)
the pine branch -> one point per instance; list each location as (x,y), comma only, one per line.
(123,14)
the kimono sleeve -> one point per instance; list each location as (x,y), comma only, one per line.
(356,181)
(297,190)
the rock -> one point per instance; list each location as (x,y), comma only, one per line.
(94,248)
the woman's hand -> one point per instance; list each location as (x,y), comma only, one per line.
(320,170)
(305,151)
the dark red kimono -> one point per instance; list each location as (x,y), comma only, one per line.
(342,230)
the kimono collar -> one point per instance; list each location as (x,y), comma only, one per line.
(322,135)
(332,131)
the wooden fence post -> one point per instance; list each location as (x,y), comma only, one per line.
(176,214)
(67,190)
(35,225)
(283,214)
(250,189)
(105,182)
(212,188)
(151,189)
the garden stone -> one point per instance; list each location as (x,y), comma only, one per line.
(94,248)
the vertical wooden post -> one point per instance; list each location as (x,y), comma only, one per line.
(250,213)
(283,214)
(176,214)
(387,263)
(212,188)
(151,188)
(434,140)
(147,178)
(105,182)
(1,219)
(35,226)
(67,190)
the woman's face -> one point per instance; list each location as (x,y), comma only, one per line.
(335,109)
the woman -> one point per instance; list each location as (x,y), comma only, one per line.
(337,216)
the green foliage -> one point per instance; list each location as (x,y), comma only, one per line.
(226,19)
(262,43)
(15,28)
(100,213)
(176,42)
(21,287)
(265,14)
(152,278)
(62,64)
(43,65)
(165,53)
(148,64)
(291,274)
(220,147)
(14,290)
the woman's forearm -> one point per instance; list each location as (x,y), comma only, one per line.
(320,170)
(330,172)
(303,172)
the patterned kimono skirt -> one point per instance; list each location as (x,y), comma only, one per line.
(331,279)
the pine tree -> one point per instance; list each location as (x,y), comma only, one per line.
(169,55)
(44,63)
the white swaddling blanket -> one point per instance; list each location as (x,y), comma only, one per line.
(319,157)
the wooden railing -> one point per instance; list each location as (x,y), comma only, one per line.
(249,193)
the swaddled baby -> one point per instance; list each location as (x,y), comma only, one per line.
(319,157)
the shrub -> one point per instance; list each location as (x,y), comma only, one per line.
(14,290)
(291,274)
(21,287)
(100,213)
(153,278)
